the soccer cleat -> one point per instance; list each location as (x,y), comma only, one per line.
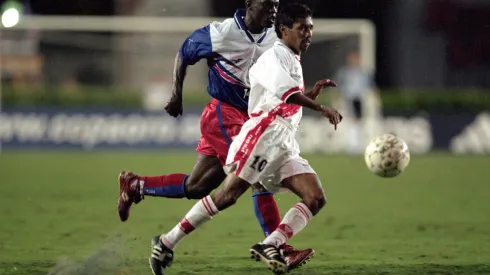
(161,256)
(270,256)
(129,192)
(296,258)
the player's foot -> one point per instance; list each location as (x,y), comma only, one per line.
(129,192)
(270,256)
(296,258)
(161,256)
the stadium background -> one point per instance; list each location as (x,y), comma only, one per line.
(79,106)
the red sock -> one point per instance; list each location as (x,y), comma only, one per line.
(169,186)
(267,212)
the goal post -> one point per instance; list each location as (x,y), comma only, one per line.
(364,29)
(139,52)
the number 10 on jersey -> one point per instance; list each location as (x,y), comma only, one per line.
(259,163)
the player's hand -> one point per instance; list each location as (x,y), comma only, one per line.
(333,116)
(320,85)
(174,106)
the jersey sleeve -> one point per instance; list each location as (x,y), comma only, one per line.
(197,46)
(276,76)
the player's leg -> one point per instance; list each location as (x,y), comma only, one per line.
(292,171)
(224,197)
(230,121)
(265,209)
(269,218)
(164,245)
(206,175)
(308,187)
(240,173)
(232,188)
(267,213)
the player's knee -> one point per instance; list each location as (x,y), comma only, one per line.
(230,192)
(195,191)
(315,202)
(194,194)
(322,201)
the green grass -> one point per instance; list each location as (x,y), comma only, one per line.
(58,210)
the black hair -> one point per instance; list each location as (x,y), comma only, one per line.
(289,14)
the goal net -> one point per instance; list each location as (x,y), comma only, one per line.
(136,51)
(71,55)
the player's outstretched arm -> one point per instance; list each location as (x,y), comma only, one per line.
(305,101)
(332,114)
(196,47)
(319,86)
(174,106)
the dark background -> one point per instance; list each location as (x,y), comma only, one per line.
(405,32)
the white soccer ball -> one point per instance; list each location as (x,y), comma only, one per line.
(387,156)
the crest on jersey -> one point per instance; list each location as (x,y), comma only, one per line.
(296,73)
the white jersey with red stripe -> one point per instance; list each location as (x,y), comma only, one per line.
(276,76)
(266,150)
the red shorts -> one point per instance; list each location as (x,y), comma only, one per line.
(220,123)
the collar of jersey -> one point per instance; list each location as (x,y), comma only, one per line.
(239,20)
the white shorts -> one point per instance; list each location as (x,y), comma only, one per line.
(266,153)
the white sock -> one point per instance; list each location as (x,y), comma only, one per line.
(200,213)
(293,222)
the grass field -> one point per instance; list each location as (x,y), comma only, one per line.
(58,215)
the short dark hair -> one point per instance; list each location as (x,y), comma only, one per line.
(289,14)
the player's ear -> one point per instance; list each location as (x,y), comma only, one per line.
(283,29)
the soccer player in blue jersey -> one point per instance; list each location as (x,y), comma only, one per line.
(266,149)
(230,48)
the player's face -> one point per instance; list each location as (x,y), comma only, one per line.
(299,36)
(264,12)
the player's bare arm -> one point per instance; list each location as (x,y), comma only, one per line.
(331,113)
(174,106)
(318,88)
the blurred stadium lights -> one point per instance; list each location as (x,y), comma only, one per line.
(11,13)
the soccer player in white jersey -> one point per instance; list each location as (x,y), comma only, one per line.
(265,150)
(229,48)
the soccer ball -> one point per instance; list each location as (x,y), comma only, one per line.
(387,156)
